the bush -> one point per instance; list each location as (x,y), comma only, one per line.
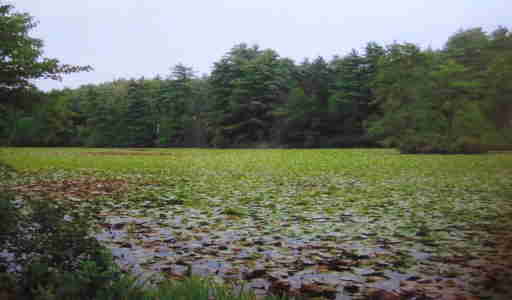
(468,145)
(498,147)
(436,144)
(48,251)
(414,144)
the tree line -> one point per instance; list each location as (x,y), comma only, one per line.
(448,100)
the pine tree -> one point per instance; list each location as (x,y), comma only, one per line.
(138,118)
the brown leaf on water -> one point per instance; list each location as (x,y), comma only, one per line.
(255,274)
(318,290)
(376,294)
(342,264)
(322,268)
(280,286)
(80,188)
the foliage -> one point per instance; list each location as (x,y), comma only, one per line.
(419,100)
(9,222)
(21,56)
(310,222)
(22,61)
(201,289)
(52,250)
(246,84)
(55,257)
(306,109)
(137,119)
(435,101)
(179,108)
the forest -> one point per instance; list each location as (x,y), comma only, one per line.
(116,190)
(450,100)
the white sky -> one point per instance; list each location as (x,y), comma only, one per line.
(133,38)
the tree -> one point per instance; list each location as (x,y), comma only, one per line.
(138,118)
(306,115)
(174,106)
(350,95)
(246,84)
(428,102)
(466,47)
(498,80)
(21,61)
(21,56)
(419,100)
(299,114)
(101,121)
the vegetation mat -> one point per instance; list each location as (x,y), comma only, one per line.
(345,224)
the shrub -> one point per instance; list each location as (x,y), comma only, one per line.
(436,144)
(470,145)
(48,251)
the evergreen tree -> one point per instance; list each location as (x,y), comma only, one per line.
(246,85)
(174,102)
(138,118)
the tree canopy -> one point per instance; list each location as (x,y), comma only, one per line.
(21,56)
(451,100)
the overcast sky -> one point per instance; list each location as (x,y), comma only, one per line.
(133,38)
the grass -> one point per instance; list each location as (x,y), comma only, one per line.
(389,214)
(189,289)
